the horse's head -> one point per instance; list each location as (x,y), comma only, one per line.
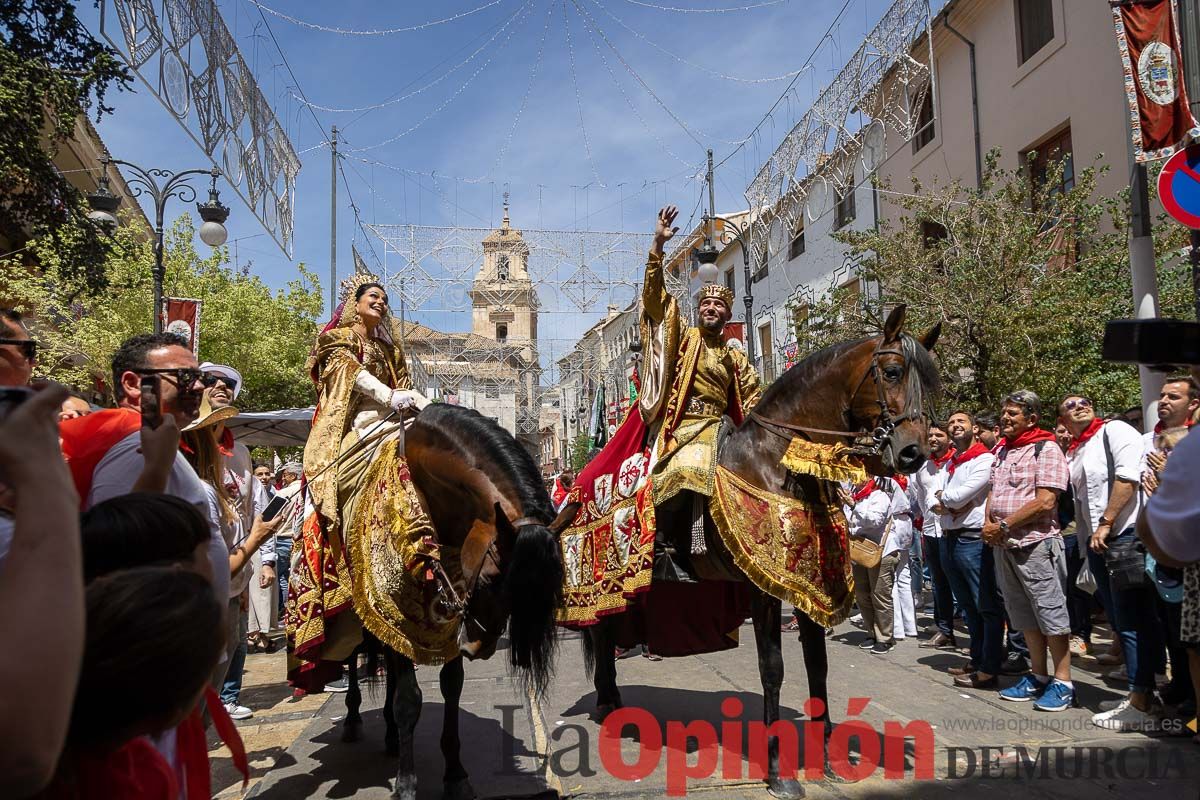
(889,398)
(519,583)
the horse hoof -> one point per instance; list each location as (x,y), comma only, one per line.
(351,732)
(391,745)
(406,788)
(460,789)
(785,788)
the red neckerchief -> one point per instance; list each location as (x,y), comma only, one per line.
(1158,426)
(974,451)
(86,440)
(1088,432)
(865,492)
(938,461)
(225,443)
(192,746)
(1028,437)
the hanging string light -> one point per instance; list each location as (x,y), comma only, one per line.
(415,92)
(731,10)
(378,32)
(785,76)
(524,11)
(533,73)
(578,97)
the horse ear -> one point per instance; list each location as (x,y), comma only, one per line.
(895,323)
(565,517)
(931,336)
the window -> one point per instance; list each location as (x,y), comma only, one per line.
(768,355)
(501,332)
(844,210)
(491,390)
(1035,26)
(1046,156)
(932,233)
(925,124)
(762,271)
(502,267)
(729,279)
(800,315)
(850,293)
(796,248)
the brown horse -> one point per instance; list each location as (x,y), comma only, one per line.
(484,494)
(871,389)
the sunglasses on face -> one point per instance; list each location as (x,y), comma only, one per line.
(184,377)
(28,347)
(211,379)
(1081,402)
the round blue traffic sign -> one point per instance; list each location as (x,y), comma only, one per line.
(1179,186)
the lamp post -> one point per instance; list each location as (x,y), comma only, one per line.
(213,233)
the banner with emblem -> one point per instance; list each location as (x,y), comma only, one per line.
(181,316)
(1160,118)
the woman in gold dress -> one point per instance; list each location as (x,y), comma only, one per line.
(363,392)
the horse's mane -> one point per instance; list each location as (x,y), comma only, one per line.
(481,439)
(922,371)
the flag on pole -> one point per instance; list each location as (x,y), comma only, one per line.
(1160,119)
(598,429)
(181,316)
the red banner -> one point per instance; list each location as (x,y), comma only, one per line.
(1160,118)
(182,316)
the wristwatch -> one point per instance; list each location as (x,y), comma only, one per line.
(1104,521)
(1003,526)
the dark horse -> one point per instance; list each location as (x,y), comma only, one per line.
(485,496)
(873,387)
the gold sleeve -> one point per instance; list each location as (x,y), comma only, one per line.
(654,290)
(749,387)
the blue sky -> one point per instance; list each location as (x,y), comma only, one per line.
(576,130)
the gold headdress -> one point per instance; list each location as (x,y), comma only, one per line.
(350,287)
(718,292)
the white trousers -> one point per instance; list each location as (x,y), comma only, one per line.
(904,612)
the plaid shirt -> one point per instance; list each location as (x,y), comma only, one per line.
(1016,477)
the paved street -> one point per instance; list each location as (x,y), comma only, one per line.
(295,748)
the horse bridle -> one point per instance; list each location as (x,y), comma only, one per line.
(450,599)
(879,438)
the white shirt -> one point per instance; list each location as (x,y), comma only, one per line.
(119,470)
(6,536)
(253,497)
(967,488)
(1089,476)
(1173,512)
(870,516)
(921,487)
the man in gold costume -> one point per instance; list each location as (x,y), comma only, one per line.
(691,380)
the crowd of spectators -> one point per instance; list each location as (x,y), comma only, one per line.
(138,529)
(1030,536)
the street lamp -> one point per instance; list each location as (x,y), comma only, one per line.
(213,233)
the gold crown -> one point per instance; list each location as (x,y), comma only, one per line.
(717,291)
(350,285)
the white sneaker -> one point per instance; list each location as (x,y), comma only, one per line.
(238,712)
(1126,718)
(856,619)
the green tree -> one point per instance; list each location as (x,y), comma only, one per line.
(581,448)
(265,335)
(52,70)
(1021,276)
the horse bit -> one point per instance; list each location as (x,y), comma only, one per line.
(448,598)
(865,445)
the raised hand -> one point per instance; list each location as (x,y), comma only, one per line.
(665,228)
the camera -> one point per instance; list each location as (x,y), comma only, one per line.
(1161,344)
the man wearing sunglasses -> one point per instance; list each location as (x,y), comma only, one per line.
(18,353)
(111,454)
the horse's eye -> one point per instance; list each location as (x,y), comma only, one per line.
(893,373)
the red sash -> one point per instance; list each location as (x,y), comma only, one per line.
(86,440)
(1091,430)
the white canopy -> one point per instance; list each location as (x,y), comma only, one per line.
(287,427)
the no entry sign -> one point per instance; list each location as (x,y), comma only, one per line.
(1179,186)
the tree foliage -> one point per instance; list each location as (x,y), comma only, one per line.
(52,70)
(1022,277)
(263,334)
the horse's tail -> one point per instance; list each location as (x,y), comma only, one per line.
(535,594)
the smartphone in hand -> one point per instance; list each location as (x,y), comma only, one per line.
(151,403)
(274,507)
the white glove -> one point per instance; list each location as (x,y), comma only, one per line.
(406,398)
